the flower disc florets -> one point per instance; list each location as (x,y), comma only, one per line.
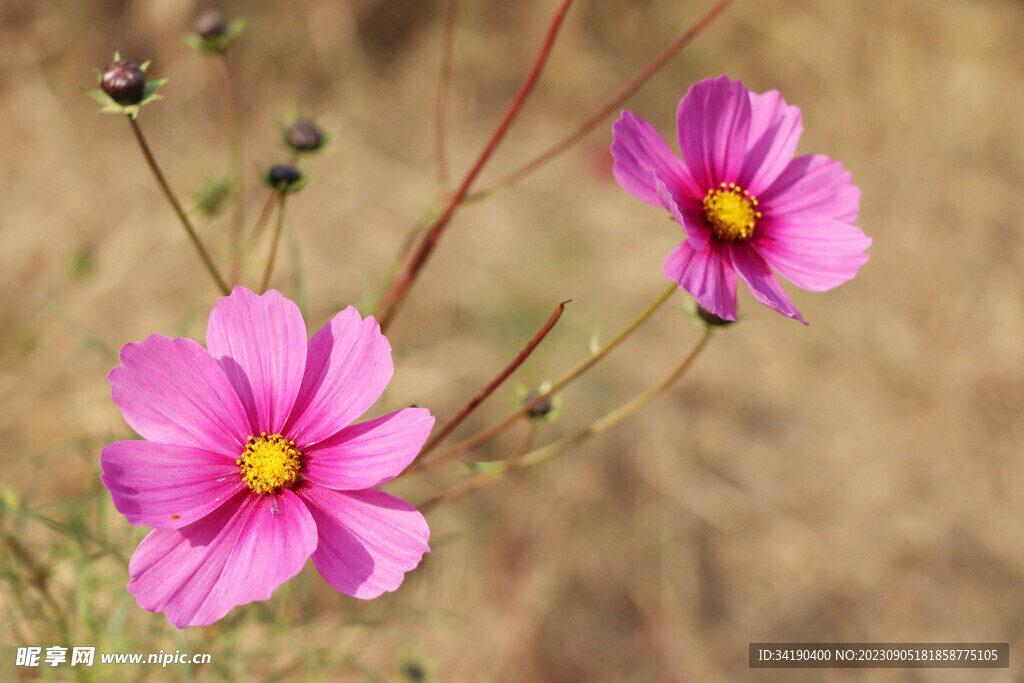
(269,463)
(731,212)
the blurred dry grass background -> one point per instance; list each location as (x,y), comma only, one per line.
(855,480)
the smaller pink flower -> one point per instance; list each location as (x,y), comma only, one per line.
(746,204)
(250,464)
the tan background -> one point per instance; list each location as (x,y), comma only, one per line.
(855,480)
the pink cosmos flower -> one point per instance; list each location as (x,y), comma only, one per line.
(250,465)
(746,204)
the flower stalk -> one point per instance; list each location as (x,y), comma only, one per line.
(609,107)
(457,419)
(265,281)
(495,471)
(441,100)
(182,216)
(401,284)
(568,378)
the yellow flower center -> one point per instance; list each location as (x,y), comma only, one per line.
(730,212)
(269,463)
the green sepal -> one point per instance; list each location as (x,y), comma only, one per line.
(110,106)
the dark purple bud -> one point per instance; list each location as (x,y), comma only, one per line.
(211,24)
(124,81)
(304,136)
(281,176)
(539,410)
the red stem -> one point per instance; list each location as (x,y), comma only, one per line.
(597,117)
(494,384)
(399,286)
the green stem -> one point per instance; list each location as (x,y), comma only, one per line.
(273,244)
(597,427)
(182,216)
(257,231)
(235,138)
(580,368)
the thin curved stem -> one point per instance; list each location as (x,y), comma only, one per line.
(401,284)
(568,378)
(444,79)
(257,232)
(554,448)
(182,216)
(273,244)
(235,138)
(494,384)
(608,108)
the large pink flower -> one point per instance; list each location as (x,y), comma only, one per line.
(250,464)
(746,204)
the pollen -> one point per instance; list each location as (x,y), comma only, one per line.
(731,212)
(270,463)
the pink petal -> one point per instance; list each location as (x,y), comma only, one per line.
(689,213)
(817,257)
(260,342)
(762,282)
(166,486)
(368,539)
(706,276)
(713,122)
(775,130)
(172,391)
(638,150)
(348,366)
(371,453)
(238,554)
(810,189)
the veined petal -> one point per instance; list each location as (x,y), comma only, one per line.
(167,486)
(814,257)
(775,129)
(812,188)
(172,391)
(713,123)
(686,213)
(348,366)
(371,453)
(368,539)
(761,281)
(238,554)
(260,342)
(638,150)
(706,275)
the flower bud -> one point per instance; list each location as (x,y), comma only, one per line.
(283,175)
(124,81)
(304,136)
(211,24)
(283,178)
(541,409)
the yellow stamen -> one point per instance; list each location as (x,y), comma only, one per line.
(730,212)
(269,463)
